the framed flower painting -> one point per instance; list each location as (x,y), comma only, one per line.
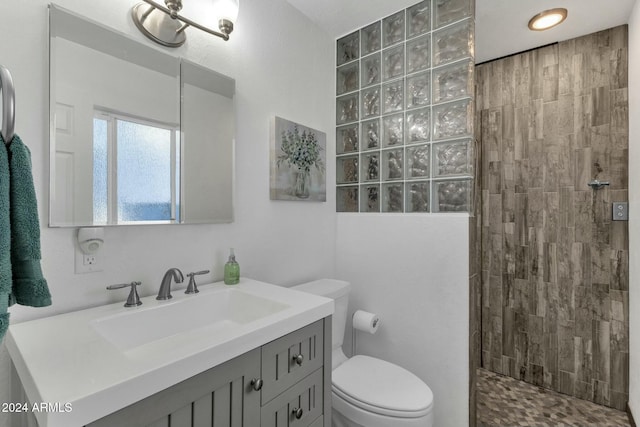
(298,159)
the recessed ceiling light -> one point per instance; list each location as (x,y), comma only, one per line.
(547,19)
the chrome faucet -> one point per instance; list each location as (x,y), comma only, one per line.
(165,286)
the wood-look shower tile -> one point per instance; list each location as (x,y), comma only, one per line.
(583,215)
(619,305)
(508,331)
(495,294)
(536,340)
(619,119)
(550,119)
(601,392)
(584,357)
(601,111)
(537,110)
(582,112)
(536,65)
(566,382)
(521,176)
(598,71)
(550,262)
(618,37)
(535,208)
(619,175)
(619,68)
(495,248)
(581,264)
(579,64)
(619,400)
(552,167)
(495,83)
(566,51)
(537,375)
(508,206)
(536,163)
(550,84)
(495,212)
(565,114)
(520,132)
(522,353)
(619,269)
(536,253)
(495,177)
(566,208)
(551,361)
(508,285)
(619,337)
(509,251)
(601,302)
(584,330)
(566,346)
(539,306)
(521,218)
(508,81)
(521,296)
(583,165)
(566,164)
(550,216)
(523,82)
(600,264)
(522,264)
(601,350)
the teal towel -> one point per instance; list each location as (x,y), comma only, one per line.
(5,240)
(29,287)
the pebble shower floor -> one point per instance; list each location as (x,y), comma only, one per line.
(506,402)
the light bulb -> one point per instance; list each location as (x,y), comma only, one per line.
(547,19)
(226,9)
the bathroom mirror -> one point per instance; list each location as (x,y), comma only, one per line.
(137,136)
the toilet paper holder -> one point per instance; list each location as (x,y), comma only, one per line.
(363,321)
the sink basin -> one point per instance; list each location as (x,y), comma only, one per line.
(102,359)
(223,309)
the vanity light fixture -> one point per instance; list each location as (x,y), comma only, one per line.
(164,25)
(548,19)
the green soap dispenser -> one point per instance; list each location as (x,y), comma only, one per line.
(231,270)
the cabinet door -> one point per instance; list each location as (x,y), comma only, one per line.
(300,406)
(289,359)
(220,397)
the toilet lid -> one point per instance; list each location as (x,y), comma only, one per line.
(381,387)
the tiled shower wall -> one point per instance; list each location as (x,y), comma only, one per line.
(555,285)
(404,111)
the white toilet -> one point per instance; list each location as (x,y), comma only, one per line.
(369,392)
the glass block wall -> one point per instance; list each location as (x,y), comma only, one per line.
(404,111)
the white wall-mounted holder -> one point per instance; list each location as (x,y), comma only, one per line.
(90,241)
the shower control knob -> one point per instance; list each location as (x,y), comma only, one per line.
(257,384)
(297,412)
(298,358)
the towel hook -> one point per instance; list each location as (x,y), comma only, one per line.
(8,104)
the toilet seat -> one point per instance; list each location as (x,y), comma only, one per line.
(382,388)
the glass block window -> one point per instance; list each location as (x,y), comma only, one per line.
(405,110)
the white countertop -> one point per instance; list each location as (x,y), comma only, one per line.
(63,359)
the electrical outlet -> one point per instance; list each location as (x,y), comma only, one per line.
(87,263)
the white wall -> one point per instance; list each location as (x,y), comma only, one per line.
(413,271)
(283,64)
(634,212)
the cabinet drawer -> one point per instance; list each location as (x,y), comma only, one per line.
(289,359)
(300,406)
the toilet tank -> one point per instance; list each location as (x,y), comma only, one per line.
(338,290)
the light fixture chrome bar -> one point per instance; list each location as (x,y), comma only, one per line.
(186,20)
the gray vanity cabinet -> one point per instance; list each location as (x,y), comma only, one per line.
(219,397)
(295,389)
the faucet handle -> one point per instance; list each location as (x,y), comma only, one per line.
(133,299)
(192,288)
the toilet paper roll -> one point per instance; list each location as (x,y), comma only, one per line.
(365,321)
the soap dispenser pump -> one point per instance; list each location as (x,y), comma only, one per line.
(231,270)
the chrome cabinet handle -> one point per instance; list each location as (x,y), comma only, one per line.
(297,412)
(298,358)
(257,384)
